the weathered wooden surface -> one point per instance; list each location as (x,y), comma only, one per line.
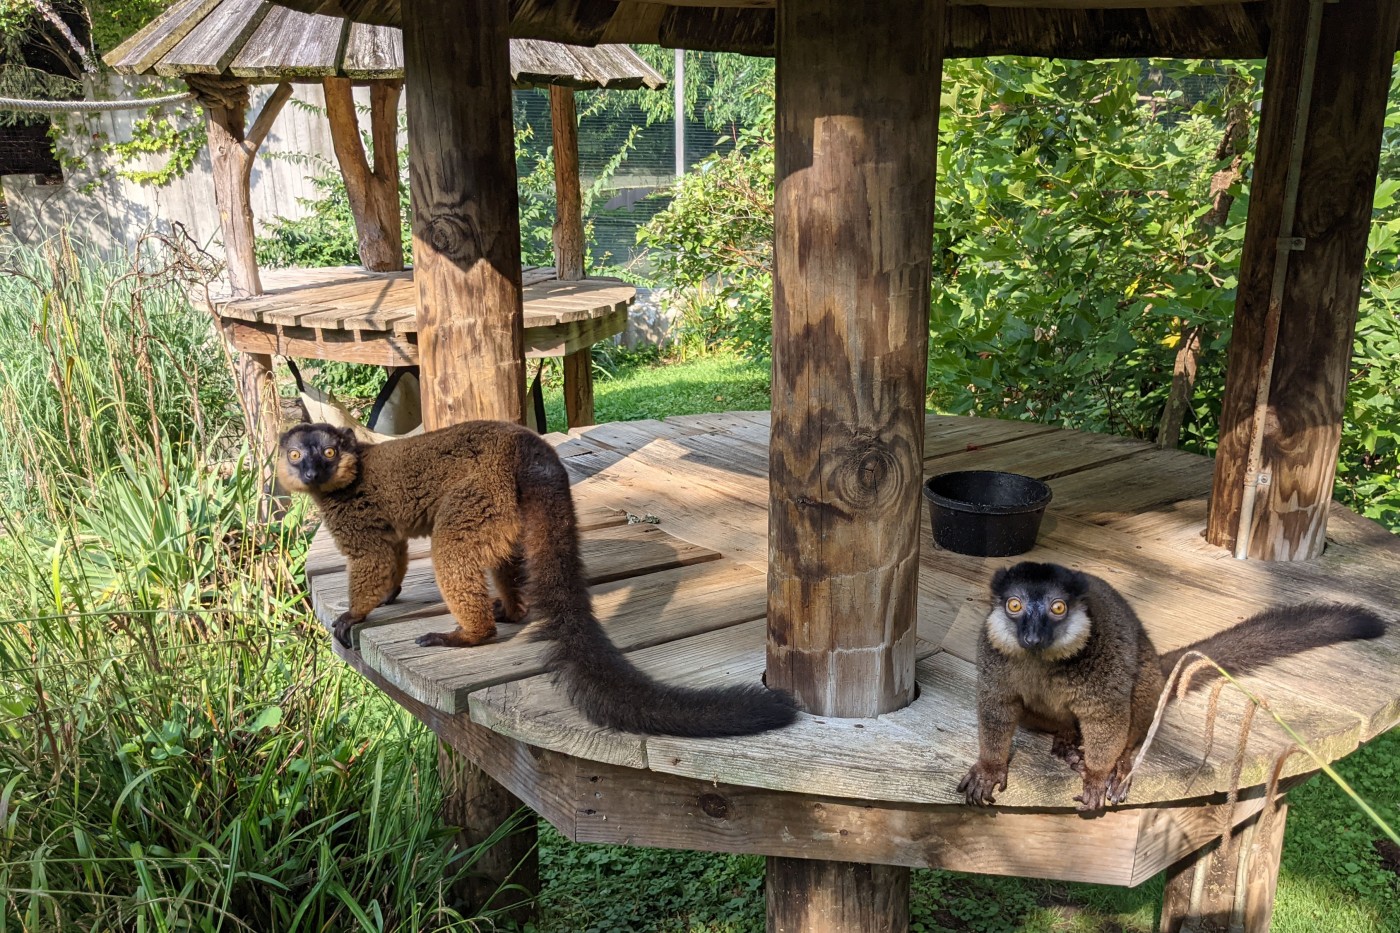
(356,316)
(810,896)
(568,199)
(591,801)
(850,337)
(1295,314)
(1065,28)
(1132,514)
(1229,884)
(260,40)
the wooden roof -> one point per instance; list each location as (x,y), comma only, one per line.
(1064,28)
(259,40)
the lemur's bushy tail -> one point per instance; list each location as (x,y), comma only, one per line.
(611,691)
(599,678)
(1281,632)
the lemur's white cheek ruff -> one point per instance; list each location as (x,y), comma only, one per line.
(1072,637)
(1001,632)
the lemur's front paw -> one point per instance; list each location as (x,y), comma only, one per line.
(342,626)
(981,782)
(1095,793)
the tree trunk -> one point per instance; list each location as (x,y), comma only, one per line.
(811,896)
(1300,277)
(568,199)
(373,192)
(466,224)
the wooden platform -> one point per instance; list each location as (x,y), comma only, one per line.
(683,589)
(347,313)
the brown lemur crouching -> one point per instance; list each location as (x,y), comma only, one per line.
(495,499)
(1062,652)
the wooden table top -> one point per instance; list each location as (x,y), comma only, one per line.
(350,298)
(675,545)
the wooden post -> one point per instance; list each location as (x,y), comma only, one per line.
(1300,277)
(231,156)
(568,199)
(373,191)
(1228,885)
(568,245)
(466,219)
(857,132)
(466,249)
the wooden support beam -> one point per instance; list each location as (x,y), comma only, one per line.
(857,133)
(1300,278)
(466,224)
(466,269)
(857,125)
(568,198)
(1228,885)
(232,151)
(373,191)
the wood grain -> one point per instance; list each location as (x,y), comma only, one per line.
(373,191)
(857,109)
(466,223)
(568,199)
(1299,344)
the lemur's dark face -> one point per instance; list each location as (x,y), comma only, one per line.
(317,458)
(1038,610)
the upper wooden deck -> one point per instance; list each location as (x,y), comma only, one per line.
(684,591)
(348,313)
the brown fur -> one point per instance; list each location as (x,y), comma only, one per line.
(495,499)
(1093,681)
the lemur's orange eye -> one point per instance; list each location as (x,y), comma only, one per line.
(1013,605)
(294,455)
(1058,608)
(329,452)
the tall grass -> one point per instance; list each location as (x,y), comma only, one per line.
(177,748)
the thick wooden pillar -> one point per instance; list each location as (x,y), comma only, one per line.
(466,224)
(568,244)
(466,266)
(1300,278)
(373,191)
(857,130)
(1228,885)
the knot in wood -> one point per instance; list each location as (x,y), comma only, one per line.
(714,805)
(868,476)
(448,235)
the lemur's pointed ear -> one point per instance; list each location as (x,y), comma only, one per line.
(999,579)
(348,440)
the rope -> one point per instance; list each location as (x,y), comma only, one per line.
(79,106)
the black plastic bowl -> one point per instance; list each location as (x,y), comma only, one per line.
(986,512)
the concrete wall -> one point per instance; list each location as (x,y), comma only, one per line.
(110,212)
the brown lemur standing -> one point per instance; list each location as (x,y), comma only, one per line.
(495,499)
(1062,652)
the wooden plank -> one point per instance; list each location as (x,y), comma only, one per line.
(140,52)
(563,339)
(946,435)
(1142,483)
(288,44)
(637,612)
(210,46)
(1043,456)
(303,342)
(373,52)
(597,802)
(609,553)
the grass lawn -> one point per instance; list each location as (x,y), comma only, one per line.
(1334,877)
